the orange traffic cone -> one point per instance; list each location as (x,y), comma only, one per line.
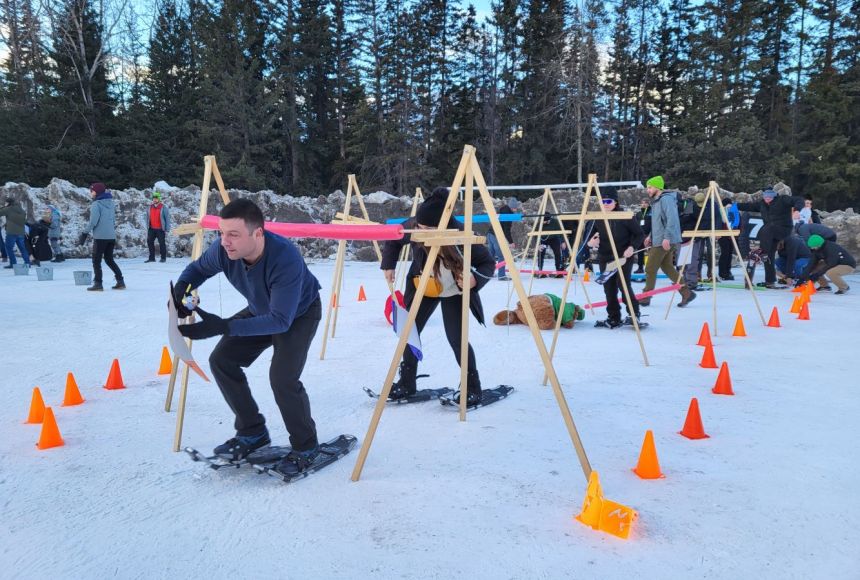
(693,428)
(739,327)
(334,300)
(37,407)
(73,393)
(724,382)
(705,336)
(166,365)
(811,287)
(114,380)
(587,276)
(648,466)
(708,361)
(50,436)
(774,318)
(362,297)
(795,304)
(804,312)
(798,289)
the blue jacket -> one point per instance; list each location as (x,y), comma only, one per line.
(279,287)
(56,217)
(103,217)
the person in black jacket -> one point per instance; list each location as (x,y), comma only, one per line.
(512,206)
(445,288)
(829,263)
(40,246)
(644,217)
(628,236)
(793,257)
(554,242)
(775,211)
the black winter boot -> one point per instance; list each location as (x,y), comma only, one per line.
(96,287)
(473,390)
(120,285)
(405,385)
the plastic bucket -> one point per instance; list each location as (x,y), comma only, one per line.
(21,269)
(45,273)
(83,277)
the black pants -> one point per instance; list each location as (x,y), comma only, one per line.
(554,244)
(724,266)
(611,287)
(769,238)
(151,236)
(104,249)
(452,318)
(233,353)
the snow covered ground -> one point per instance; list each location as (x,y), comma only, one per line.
(772,494)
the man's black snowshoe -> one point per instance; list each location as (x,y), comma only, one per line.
(608,323)
(629,322)
(300,464)
(239,447)
(488,397)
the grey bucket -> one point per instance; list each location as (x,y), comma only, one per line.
(45,273)
(83,277)
(21,269)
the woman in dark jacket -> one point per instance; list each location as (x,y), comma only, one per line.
(628,236)
(445,288)
(40,246)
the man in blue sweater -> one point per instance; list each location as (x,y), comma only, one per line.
(283,311)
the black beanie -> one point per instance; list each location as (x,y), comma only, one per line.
(609,195)
(430,211)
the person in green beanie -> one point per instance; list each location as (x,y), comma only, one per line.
(829,263)
(664,239)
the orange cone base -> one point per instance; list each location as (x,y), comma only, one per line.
(605,515)
(50,436)
(804,312)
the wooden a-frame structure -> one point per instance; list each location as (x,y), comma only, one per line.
(210,169)
(344,218)
(712,200)
(468,173)
(584,215)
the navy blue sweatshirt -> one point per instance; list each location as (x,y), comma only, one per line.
(279,287)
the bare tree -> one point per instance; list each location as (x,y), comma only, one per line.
(68,19)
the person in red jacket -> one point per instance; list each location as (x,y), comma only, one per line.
(158,223)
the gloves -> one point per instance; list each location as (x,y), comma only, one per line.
(210,325)
(179,292)
(82,239)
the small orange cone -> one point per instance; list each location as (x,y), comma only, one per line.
(362,297)
(693,428)
(811,287)
(166,365)
(114,380)
(73,393)
(795,304)
(724,382)
(774,318)
(334,300)
(708,361)
(798,289)
(50,436)
(804,312)
(705,336)
(587,276)
(37,407)
(603,514)
(739,327)
(648,466)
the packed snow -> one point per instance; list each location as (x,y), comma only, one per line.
(771,494)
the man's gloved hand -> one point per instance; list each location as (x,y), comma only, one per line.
(179,292)
(82,239)
(210,325)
